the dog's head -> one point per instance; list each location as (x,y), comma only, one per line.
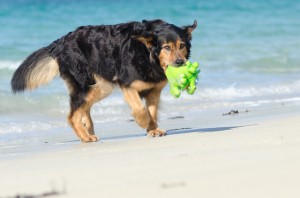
(167,43)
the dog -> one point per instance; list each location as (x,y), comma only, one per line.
(92,60)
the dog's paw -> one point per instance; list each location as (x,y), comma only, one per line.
(89,138)
(156,133)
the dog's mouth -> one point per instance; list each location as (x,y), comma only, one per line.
(180,63)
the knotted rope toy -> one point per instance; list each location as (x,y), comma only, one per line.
(183,78)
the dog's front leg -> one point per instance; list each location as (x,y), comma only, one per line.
(152,101)
(139,112)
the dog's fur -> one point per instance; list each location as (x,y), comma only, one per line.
(93,59)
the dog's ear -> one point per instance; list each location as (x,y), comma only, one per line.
(147,39)
(189,29)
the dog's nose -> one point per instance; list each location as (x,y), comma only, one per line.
(179,62)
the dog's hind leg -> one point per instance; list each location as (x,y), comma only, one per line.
(87,121)
(76,117)
(97,92)
(81,103)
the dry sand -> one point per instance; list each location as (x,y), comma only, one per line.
(260,160)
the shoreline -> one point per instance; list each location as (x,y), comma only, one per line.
(25,144)
(256,158)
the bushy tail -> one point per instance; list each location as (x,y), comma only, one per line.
(38,69)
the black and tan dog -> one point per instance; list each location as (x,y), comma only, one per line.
(92,60)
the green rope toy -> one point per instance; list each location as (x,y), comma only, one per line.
(183,78)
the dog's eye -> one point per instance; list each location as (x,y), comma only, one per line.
(182,45)
(167,48)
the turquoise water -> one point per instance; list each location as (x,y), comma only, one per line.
(249,52)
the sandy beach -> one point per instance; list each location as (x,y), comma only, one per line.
(259,159)
(248,54)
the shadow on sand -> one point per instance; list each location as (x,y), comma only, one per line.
(169,132)
(174,132)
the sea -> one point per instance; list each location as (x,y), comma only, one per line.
(248,51)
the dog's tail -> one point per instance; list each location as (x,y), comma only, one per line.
(38,69)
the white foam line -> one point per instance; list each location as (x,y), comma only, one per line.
(11,65)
